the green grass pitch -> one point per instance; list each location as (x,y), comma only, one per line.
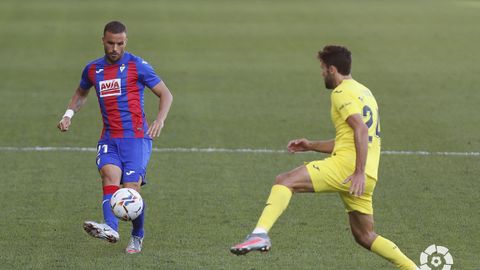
(243,75)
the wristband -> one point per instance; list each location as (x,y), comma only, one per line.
(69,113)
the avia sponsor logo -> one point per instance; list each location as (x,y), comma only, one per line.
(110,88)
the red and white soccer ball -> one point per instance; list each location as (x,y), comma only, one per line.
(126,204)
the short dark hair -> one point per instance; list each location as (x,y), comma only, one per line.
(115,27)
(337,56)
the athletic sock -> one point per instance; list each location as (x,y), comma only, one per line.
(259,231)
(388,250)
(137,223)
(277,202)
(110,219)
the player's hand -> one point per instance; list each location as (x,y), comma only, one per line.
(64,124)
(155,128)
(298,145)
(358,184)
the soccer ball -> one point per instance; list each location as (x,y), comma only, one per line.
(126,204)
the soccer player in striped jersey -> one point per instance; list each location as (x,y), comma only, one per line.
(351,170)
(125,144)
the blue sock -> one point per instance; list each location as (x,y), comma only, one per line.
(138,223)
(108,215)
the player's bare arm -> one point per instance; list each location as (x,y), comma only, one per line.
(302,145)
(360,131)
(77,101)
(166,98)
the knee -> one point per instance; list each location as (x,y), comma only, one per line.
(109,181)
(284,180)
(281,179)
(364,239)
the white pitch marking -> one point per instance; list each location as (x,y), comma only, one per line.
(222,150)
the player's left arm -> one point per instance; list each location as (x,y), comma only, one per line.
(166,98)
(360,131)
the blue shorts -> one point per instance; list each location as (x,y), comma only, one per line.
(131,155)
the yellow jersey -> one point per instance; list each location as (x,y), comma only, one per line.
(348,98)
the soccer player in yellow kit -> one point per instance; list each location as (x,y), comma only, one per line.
(351,170)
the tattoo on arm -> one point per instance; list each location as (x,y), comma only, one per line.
(79,103)
(79,99)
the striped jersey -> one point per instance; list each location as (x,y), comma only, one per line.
(120,92)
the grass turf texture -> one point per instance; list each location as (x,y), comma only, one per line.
(243,74)
(195,214)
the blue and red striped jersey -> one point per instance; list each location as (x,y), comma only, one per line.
(120,92)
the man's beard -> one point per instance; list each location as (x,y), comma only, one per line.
(114,57)
(329,83)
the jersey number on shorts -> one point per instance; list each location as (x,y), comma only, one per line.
(105,149)
(367,112)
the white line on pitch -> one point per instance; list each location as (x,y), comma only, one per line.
(223,150)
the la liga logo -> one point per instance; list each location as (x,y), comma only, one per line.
(436,258)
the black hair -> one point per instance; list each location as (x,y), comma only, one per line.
(337,56)
(115,27)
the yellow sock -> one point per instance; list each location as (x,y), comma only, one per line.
(388,250)
(277,202)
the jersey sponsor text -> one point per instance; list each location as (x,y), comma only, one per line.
(110,88)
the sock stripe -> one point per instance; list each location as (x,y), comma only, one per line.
(110,189)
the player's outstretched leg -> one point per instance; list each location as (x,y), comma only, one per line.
(109,230)
(259,241)
(254,241)
(102,231)
(296,180)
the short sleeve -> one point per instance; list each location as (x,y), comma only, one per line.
(345,104)
(147,75)
(85,82)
